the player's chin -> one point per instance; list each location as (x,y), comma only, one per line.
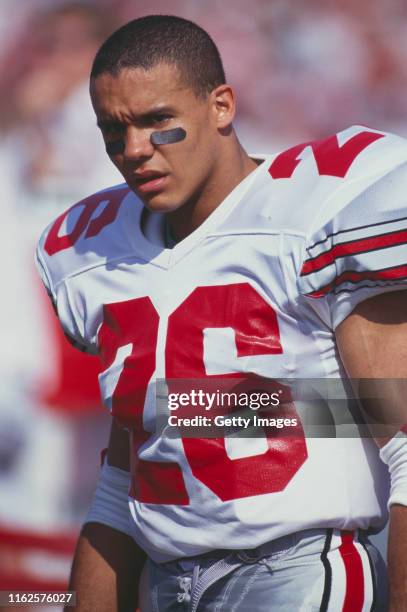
(159,202)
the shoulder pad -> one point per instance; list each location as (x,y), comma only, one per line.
(88,233)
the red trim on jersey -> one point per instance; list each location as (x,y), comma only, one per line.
(355,586)
(353,247)
(348,230)
(387,274)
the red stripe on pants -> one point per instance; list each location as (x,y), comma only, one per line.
(355,587)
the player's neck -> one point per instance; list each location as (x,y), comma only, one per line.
(235,166)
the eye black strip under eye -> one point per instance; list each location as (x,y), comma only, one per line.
(168,136)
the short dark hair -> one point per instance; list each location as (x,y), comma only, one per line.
(148,41)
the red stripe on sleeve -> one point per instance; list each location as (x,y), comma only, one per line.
(362,245)
(355,586)
(388,274)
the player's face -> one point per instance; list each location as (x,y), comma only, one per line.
(134,104)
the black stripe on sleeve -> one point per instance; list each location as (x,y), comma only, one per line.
(371,276)
(354,229)
(400,282)
(355,242)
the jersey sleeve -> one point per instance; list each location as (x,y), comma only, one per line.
(44,274)
(81,239)
(61,304)
(359,253)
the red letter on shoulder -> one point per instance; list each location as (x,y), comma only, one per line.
(331,158)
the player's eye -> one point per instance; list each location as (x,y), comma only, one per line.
(114,147)
(113,137)
(111,131)
(160,118)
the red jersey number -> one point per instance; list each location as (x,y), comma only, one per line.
(256,332)
(88,223)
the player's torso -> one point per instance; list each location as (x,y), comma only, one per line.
(225,301)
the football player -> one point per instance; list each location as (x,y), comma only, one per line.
(209,264)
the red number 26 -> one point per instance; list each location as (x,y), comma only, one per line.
(133,326)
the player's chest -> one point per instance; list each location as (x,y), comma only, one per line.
(224,307)
(174,278)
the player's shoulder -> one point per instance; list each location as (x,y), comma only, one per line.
(318,180)
(345,155)
(89,233)
(302,188)
(355,242)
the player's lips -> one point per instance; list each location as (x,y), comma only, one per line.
(149,181)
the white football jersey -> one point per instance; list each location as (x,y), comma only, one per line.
(258,288)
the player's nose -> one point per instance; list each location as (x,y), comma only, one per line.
(137,144)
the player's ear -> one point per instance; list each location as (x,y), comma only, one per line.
(224,105)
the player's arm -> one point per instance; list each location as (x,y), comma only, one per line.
(108,563)
(372,342)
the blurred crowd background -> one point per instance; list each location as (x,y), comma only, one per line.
(302,69)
